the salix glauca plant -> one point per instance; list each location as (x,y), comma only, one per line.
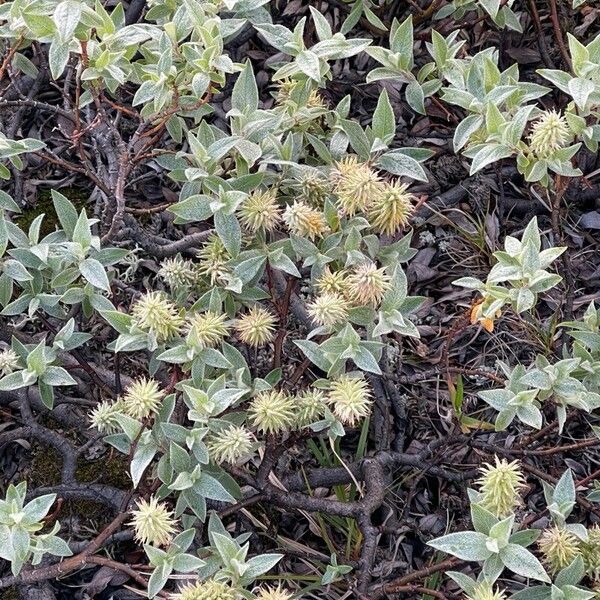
(500,117)
(499,121)
(496,541)
(567,551)
(522,268)
(22,529)
(562,384)
(583,88)
(398,64)
(568,382)
(276,215)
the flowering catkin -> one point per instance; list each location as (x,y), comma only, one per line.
(368,284)
(256,327)
(355,185)
(500,486)
(153,522)
(350,399)
(272,412)
(549,133)
(157,315)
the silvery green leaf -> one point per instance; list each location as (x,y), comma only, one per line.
(146,92)
(398,162)
(564,491)
(183,481)
(119,441)
(483,520)
(500,532)
(156,556)
(498,399)
(466,545)
(465,129)
(313,353)
(6,549)
(358,139)
(514,131)
(530,415)
(220,148)
(82,234)
(250,151)
(384,121)
(185,563)
(212,489)
(531,235)
(178,458)
(46,394)
(177,355)
(366,361)
(130,426)
(194,208)
(525,300)
(142,457)
(548,256)
(37,360)
(469,282)
(510,19)
(182,541)
(572,574)
(14,381)
(468,585)
(20,540)
(522,562)
(537,379)
(58,57)
(564,167)
(280,261)
(22,63)
(388,73)
(244,97)
(572,592)
(494,120)
(525,537)
(504,418)
(321,24)
(95,273)
(158,579)
(491,7)
(537,592)
(56,376)
(276,35)
(580,89)
(7,203)
(401,40)
(338,47)
(230,232)
(57,546)
(259,565)
(415,96)
(15,270)
(66,18)
(226,546)
(38,508)
(111,256)
(120,321)
(488,154)
(543,282)
(66,212)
